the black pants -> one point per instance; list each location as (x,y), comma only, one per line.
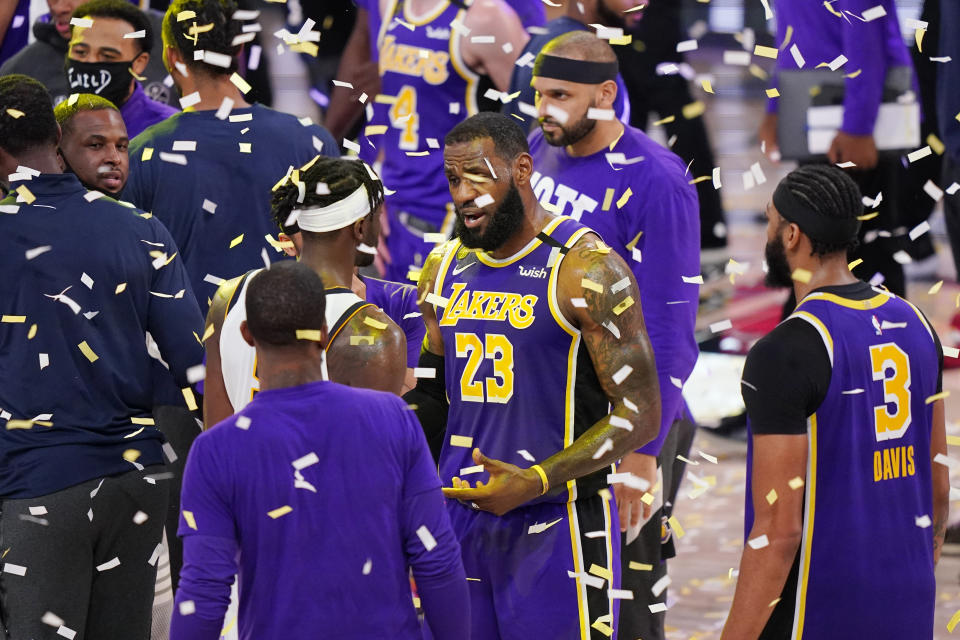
(61,549)
(654,545)
(951,207)
(181,429)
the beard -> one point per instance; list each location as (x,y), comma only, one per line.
(505,221)
(571,133)
(609,18)
(778,269)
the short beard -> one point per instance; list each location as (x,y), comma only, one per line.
(573,133)
(503,224)
(778,269)
(609,18)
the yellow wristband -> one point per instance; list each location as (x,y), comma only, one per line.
(543,478)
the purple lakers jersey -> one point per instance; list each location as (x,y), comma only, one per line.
(519,379)
(426,89)
(868,502)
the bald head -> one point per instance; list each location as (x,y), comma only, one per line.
(580,45)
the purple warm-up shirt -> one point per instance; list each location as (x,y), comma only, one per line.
(871,48)
(655,228)
(399,302)
(321,497)
(141,111)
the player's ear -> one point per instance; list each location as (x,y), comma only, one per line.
(140,62)
(522,169)
(606,94)
(248,337)
(792,240)
(293,248)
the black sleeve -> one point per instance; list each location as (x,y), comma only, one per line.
(430,399)
(939,345)
(785,379)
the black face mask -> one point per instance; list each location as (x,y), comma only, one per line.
(110,80)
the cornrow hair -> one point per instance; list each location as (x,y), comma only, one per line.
(832,193)
(325,181)
(212,29)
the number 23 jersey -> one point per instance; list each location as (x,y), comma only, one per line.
(519,379)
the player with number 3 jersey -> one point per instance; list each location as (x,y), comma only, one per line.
(846,501)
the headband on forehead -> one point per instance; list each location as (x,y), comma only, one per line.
(333,216)
(581,71)
(816,225)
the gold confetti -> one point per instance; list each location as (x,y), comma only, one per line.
(795,483)
(280,511)
(15,113)
(356,341)
(831,9)
(32,332)
(240,83)
(773,602)
(147,421)
(608,199)
(309,334)
(72,100)
(935,289)
(186,15)
(376,324)
(375,130)
(675,526)
(640,566)
(633,243)
(131,455)
(773,93)
(772,496)
(707,85)
(235,241)
(87,351)
(868,216)
(625,304)
(120,288)
(207,333)
(13,319)
(191,522)
(647,498)
(199,28)
(936,144)
(461,441)
(19,424)
(801,275)
(700,179)
(854,74)
(25,194)
(666,120)
(856,263)
(766,52)
(954,440)
(918,35)
(147,154)
(189,398)
(937,396)
(601,572)
(587,283)
(694,109)
(624,198)
(603,628)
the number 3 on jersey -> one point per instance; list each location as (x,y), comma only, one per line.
(896,390)
(403,116)
(496,347)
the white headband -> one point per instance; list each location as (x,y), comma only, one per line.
(334,216)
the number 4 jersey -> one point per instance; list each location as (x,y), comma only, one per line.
(865,565)
(519,379)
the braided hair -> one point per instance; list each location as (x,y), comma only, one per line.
(830,192)
(212,29)
(325,181)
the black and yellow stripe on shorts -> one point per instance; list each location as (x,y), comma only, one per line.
(594,555)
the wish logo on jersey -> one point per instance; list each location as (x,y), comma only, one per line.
(414,61)
(488,305)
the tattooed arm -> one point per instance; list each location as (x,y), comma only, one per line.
(624,365)
(369,352)
(941,480)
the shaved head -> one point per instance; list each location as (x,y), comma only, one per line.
(580,45)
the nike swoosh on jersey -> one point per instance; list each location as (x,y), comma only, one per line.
(461,269)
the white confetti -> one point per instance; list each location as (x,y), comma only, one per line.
(174,158)
(660,585)
(44,361)
(52,619)
(367,567)
(922,521)
(66,632)
(693,279)
(621,423)
(109,564)
(483,200)
(424,372)
(140,517)
(466,471)
(687,45)
(919,230)
(190,99)
(594,113)
(622,374)
(657,608)
(605,446)
(33,253)
(873,13)
(196,373)
(759,542)
(620,594)
(923,152)
(306,461)
(429,542)
(15,569)
(736,57)
(837,62)
(723,325)
(187,608)
(526,455)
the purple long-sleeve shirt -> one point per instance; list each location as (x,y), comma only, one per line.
(399,302)
(871,49)
(140,112)
(323,496)
(660,218)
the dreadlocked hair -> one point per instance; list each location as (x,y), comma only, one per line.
(211,28)
(832,193)
(325,181)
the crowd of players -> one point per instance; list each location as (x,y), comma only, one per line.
(501,417)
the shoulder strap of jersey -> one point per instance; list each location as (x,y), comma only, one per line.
(342,305)
(241,283)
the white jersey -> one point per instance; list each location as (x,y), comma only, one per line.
(238,360)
